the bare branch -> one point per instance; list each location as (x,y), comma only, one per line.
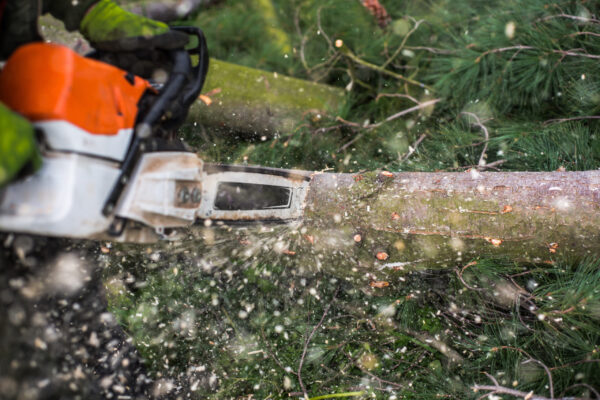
(322,32)
(585,385)
(584,33)
(431,49)
(308,339)
(559,120)
(405,96)
(547,373)
(348,53)
(404,112)
(573,17)
(413,148)
(481,161)
(401,47)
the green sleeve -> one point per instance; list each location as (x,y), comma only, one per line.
(68,11)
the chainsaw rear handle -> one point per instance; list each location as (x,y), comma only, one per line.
(183,87)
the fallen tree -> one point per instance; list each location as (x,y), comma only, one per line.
(248,100)
(444,219)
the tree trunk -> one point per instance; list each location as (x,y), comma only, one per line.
(258,102)
(443,219)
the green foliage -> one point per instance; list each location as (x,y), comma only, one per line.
(515,64)
(498,315)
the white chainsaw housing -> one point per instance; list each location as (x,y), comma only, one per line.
(166,190)
(64,198)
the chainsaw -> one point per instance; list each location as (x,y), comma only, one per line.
(113,167)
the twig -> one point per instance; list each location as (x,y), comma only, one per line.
(303,39)
(459,273)
(518,47)
(585,33)
(325,36)
(378,379)
(308,339)
(573,17)
(348,53)
(346,145)
(399,49)
(271,353)
(559,120)
(574,363)
(573,53)
(403,112)
(585,385)
(481,161)
(547,373)
(431,49)
(521,47)
(492,165)
(404,96)
(413,148)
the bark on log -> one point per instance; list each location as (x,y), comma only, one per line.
(444,219)
(259,102)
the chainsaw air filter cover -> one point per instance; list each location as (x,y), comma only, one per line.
(77,102)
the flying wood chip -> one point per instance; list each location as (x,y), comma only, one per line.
(494,241)
(379,284)
(205,99)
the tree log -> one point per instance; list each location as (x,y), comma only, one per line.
(444,219)
(259,102)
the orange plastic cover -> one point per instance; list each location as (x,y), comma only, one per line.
(45,82)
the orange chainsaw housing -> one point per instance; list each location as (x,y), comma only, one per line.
(46,82)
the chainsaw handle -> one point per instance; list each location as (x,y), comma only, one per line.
(200,70)
(183,87)
(184,84)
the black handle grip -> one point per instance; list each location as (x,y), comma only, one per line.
(183,87)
